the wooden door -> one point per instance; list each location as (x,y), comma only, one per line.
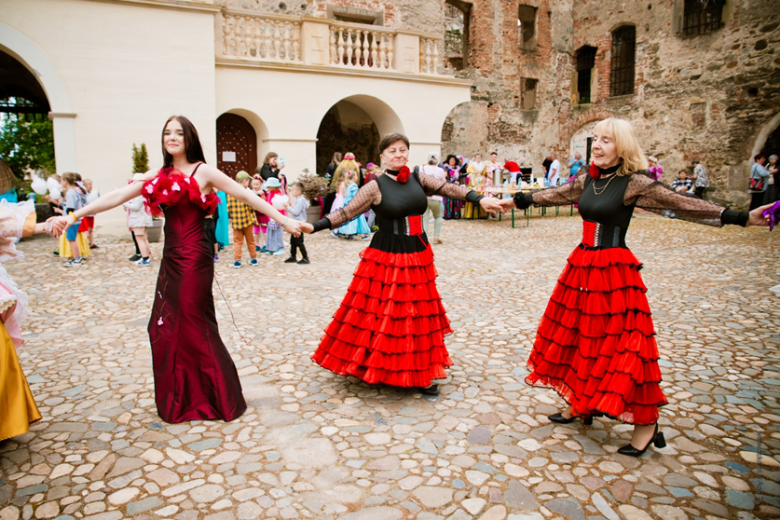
(236,145)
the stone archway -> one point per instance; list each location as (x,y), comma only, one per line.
(768,139)
(355,124)
(26,52)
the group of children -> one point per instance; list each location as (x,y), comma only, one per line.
(68,193)
(249,225)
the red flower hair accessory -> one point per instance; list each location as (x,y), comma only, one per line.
(594,171)
(403,174)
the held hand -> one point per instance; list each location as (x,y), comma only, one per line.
(507,204)
(757,217)
(293,227)
(307,228)
(491,205)
(58,225)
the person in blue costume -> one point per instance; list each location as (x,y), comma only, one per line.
(223,226)
(358,225)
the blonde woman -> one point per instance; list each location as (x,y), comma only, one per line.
(595,344)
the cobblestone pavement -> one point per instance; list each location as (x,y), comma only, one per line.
(315,445)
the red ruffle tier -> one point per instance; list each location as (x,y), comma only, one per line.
(391,325)
(596,341)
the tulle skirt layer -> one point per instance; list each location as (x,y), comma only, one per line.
(596,341)
(391,325)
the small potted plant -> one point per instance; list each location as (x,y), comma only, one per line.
(141,165)
(315,188)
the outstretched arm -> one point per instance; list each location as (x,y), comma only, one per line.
(212,177)
(649,194)
(105,203)
(433,186)
(563,195)
(365,197)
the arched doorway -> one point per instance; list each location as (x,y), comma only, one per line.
(24,51)
(347,128)
(24,109)
(355,124)
(236,145)
(581,141)
(772,144)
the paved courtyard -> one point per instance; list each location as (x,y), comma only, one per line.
(315,445)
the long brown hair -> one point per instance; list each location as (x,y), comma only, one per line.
(269,156)
(192,148)
(336,158)
(7,177)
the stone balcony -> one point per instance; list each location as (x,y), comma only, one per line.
(250,39)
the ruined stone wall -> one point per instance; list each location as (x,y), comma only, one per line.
(705,96)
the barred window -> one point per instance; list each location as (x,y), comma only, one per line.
(702,16)
(621,81)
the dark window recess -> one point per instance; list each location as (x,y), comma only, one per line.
(526,27)
(621,81)
(702,16)
(528,93)
(456,34)
(586,60)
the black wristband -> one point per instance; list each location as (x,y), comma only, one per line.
(321,224)
(474,197)
(730,216)
(523,200)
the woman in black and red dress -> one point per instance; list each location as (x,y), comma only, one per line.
(596,342)
(391,325)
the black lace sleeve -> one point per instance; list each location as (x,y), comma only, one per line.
(366,196)
(651,195)
(433,186)
(564,195)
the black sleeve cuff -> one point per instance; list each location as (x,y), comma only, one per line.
(321,224)
(729,216)
(474,197)
(523,200)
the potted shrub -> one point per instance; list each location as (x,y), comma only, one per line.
(141,165)
(315,188)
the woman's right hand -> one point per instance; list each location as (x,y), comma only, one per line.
(307,228)
(508,203)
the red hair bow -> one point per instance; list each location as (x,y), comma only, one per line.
(403,174)
(594,171)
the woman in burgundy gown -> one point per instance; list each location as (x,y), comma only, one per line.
(194,376)
(391,325)
(596,341)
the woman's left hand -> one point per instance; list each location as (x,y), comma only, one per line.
(492,205)
(293,227)
(58,225)
(757,217)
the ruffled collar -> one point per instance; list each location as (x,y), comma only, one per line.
(169,188)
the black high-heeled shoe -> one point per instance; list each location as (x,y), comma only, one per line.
(658,440)
(428,390)
(560,419)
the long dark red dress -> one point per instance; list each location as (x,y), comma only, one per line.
(391,325)
(596,341)
(194,375)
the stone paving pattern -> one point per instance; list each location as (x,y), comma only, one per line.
(316,445)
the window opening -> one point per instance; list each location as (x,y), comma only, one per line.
(528,93)
(586,61)
(621,80)
(702,16)
(526,27)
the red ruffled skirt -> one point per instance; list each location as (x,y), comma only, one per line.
(391,325)
(596,341)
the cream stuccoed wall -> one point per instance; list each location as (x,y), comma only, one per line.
(291,106)
(126,68)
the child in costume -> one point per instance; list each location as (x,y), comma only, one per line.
(274,244)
